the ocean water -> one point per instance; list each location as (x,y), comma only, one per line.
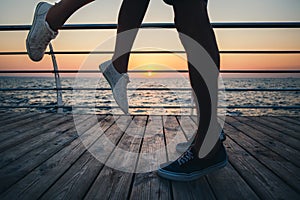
(150,98)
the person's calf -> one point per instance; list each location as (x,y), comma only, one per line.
(60,12)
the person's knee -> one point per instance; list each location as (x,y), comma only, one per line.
(189,12)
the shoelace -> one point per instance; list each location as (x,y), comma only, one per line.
(187,156)
(119,83)
(45,40)
(126,77)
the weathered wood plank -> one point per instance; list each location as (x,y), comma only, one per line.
(104,146)
(130,142)
(174,134)
(148,185)
(3,113)
(276,127)
(21,134)
(56,165)
(228,184)
(15,117)
(76,181)
(250,128)
(284,125)
(276,140)
(264,182)
(280,166)
(10,130)
(188,126)
(28,118)
(153,142)
(22,166)
(5,116)
(116,184)
(41,178)
(36,141)
(293,120)
(198,189)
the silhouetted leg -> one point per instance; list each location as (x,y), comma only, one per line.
(191,19)
(60,12)
(131,16)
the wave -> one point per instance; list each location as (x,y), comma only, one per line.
(153,98)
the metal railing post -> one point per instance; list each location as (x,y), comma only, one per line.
(57,81)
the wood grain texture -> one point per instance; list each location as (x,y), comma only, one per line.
(148,185)
(286,170)
(47,156)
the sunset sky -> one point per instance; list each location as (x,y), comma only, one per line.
(106,11)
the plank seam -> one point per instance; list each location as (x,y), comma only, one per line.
(73,163)
(291,186)
(137,161)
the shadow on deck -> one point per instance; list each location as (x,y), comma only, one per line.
(42,157)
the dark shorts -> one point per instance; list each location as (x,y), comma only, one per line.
(170,2)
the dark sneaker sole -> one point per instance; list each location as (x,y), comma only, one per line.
(192,176)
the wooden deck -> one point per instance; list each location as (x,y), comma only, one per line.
(42,157)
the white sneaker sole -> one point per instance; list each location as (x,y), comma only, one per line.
(31,30)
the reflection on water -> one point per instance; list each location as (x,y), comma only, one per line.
(151,98)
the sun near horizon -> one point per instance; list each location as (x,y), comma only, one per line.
(106,11)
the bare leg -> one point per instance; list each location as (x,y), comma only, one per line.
(131,16)
(191,19)
(60,12)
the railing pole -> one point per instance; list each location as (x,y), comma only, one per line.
(192,102)
(57,81)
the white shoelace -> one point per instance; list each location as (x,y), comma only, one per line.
(44,41)
(47,37)
(187,156)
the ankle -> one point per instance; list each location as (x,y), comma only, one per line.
(118,66)
(51,24)
(215,150)
(52,19)
(53,28)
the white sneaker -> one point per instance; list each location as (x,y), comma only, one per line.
(118,83)
(183,146)
(40,33)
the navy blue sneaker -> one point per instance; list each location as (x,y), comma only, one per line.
(190,167)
